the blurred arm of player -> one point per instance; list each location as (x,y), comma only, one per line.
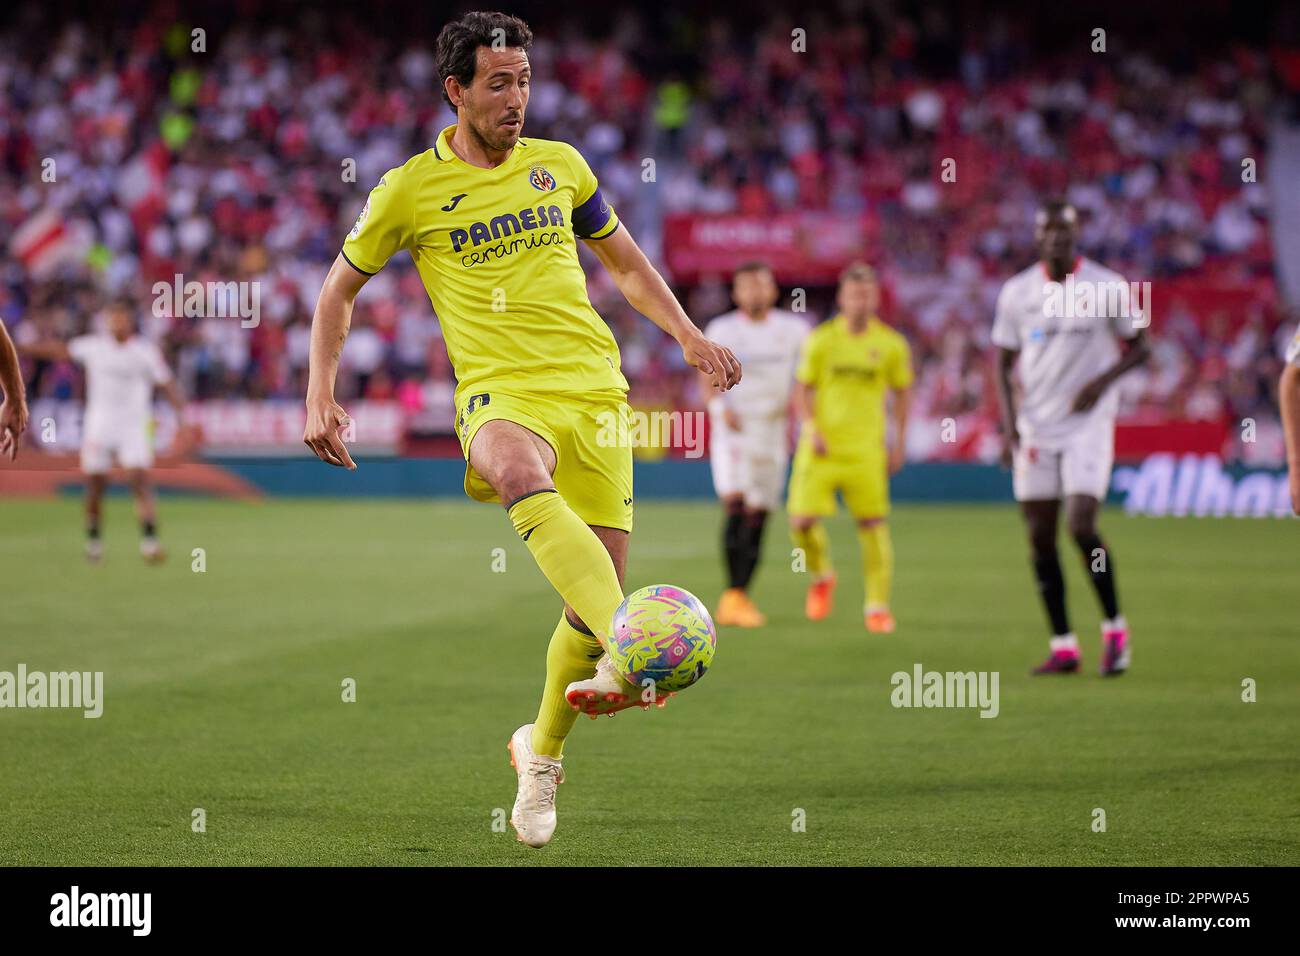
(803,396)
(648,293)
(902,404)
(1005,362)
(1288,393)
(48,350)
(13,410)
(187,436)
(729,416)
(329,330)
(1136,351)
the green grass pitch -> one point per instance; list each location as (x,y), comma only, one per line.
(223,692)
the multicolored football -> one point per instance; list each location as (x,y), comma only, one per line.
(663,633)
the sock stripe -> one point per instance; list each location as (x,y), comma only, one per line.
(529,494)
(576,624)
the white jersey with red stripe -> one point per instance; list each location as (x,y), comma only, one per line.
(1067,334)
(120,379)
(768,349)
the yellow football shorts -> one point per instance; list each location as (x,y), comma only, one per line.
(862,482)
(593,458)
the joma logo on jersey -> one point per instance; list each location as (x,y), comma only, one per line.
(506,224)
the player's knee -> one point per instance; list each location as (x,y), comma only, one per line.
(576,622)
(1042,541)
(512,480)
(1084,534)
(802,524)
(1082,527)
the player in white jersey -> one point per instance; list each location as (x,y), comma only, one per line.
(748,428)
(1060,324)
(13,407)
(122,370)
(1288,394)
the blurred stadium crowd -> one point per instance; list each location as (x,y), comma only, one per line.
(233,164)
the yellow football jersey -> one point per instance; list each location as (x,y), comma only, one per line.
(497,250)
(851,374)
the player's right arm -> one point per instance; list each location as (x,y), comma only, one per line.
(385,225)
(1288,394)
(13,410)
(49,350)
(1003,364)
(1006,336)
(804,396)
(719,403)
(329,330)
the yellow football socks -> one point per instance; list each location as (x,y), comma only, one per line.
(571,656)
(571,557)
(816,548)
(877,564)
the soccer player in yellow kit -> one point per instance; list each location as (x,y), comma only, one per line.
(492,222)
(847,367)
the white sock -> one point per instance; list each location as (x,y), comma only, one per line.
(1064,642)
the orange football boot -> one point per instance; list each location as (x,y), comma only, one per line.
(820,598)
(880,621)
(729,608)
(747,615)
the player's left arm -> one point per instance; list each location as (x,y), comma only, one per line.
(648,293)
(165,382)
(171,391)
(1288,394)
(902,405)
(1136,351)
(13,410)
(900,385)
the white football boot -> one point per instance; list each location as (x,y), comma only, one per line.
(607,692)
(151,550)
(533,816)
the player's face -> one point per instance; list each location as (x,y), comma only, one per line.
(754,292)
(1056,233)
(859,298)
(495,102)
(119,324)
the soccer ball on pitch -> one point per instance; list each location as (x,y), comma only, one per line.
(663,633)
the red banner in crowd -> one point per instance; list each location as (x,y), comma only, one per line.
(1136,440)
(800,246)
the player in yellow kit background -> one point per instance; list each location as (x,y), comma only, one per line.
(848,367)
(492,222)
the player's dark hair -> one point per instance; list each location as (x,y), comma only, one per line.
(858,270)
(459,40)
(753,265)
(1056,207)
